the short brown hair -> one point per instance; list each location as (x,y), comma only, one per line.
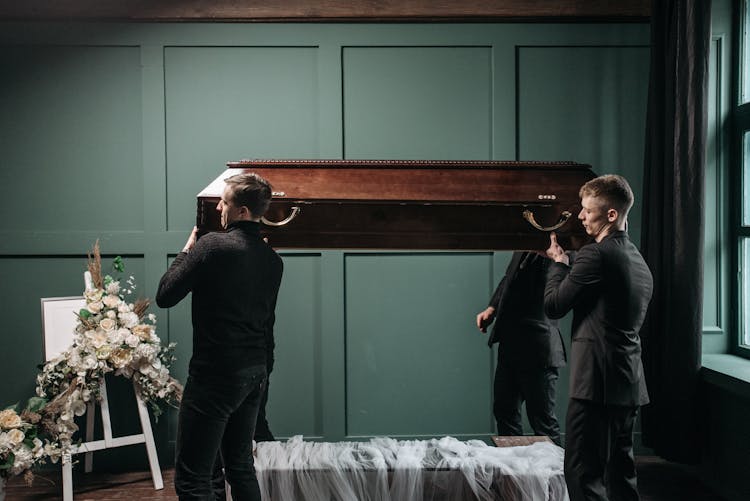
(613,190)
(251,191)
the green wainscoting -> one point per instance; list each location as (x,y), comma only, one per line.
(415,363)
(416,100)
(110,130)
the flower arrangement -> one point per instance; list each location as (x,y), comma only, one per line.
(112,336)
(21,434)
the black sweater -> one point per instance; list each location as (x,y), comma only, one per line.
(234,277)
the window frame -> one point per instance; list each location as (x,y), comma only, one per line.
(739,126)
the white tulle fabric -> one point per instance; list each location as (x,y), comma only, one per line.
(385,469)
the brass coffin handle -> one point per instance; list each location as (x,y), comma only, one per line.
(295,211)
(529,216)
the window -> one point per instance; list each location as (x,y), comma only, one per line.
(740,216)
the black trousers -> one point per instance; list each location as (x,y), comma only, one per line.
(218,415)
(599,461)
(516,383)
(262,430)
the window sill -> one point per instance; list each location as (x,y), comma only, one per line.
(729,372)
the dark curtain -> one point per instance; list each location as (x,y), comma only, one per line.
(673,218)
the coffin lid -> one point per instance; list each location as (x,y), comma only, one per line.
(411,180)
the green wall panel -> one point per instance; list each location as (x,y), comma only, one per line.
(229,103)
(70,137)
(586,104)
(415,362)
(417,102)
(295,395)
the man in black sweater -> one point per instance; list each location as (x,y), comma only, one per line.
(608,287)
(235,278)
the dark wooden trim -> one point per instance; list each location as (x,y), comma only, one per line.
(325,10)
(404,164)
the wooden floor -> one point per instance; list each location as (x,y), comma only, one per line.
(658,481)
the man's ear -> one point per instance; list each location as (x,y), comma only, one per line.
(612,215)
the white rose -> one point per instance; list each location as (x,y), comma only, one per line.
(132,340)
(104,352)
(123,308)
(129,319)
(9,419)
(121,357)
(143,331)
(99,339)
(90,362)
(95,307)
(93,295)
(5,444)
(145,350)
(111,301)
(16,436)
(113,288)
(108,324)
(22,461)
(119,336)
(111,314)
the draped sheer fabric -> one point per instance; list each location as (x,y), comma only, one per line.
(385,469)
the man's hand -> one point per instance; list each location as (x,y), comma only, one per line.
(191,240)
(555,252)
(485,318)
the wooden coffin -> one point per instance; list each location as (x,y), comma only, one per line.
(413,204)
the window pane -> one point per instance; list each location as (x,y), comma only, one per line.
(746,178)
(745,293)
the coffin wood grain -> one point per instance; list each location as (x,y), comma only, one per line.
(392,204)
(324,10)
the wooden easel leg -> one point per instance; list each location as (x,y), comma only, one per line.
(153,458)
(89,456)
(67,474)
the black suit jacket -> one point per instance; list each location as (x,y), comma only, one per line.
(526,335)
(609,287)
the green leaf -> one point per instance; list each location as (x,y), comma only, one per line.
(84,313)
(8,463)
(118,265)
(36,404)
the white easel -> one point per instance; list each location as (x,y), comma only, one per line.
(54,330)
(90,445)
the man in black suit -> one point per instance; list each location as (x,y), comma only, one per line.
(530,349)
(609,287)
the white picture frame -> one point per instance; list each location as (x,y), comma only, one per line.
(58,323)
